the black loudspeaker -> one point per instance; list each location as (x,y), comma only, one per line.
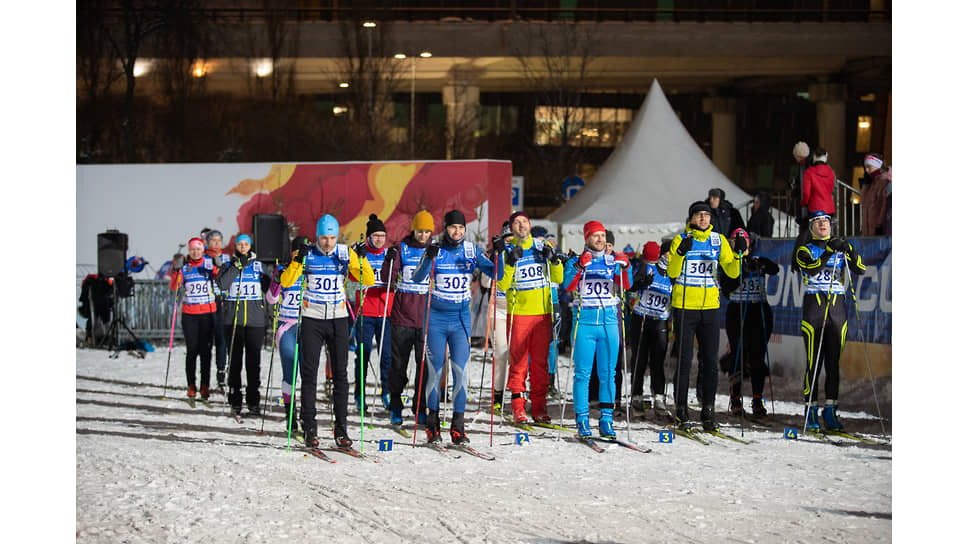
(112,252)
(270,237)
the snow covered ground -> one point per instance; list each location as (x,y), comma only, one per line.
(153,470)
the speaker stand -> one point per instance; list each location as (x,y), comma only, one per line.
(114,329)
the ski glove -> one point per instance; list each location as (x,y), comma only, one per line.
(391,254)
(497,242)
(586,257)
(513,255)
(684,246)
(837,244)
(432,251)
(301,254)
(548,253)
(622,260)
(360,248)
(739,244)
(642,281)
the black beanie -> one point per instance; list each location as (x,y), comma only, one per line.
(374,225)
(609,237)
(718,192)
(699,206)
(454,217)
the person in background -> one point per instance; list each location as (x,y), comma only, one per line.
(818,185)
(407,315)
(499,325)
(213,248)
(198,308)
(724,217)
(761,220)
(649,327)
(288,326)
(325,321)
(244,317)
(748,316)
(874,196)
(374,305)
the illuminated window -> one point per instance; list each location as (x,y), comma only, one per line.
(587,127)
(863,134)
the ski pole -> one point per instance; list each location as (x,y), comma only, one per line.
(769,366)
(816,368)
(625,361)
(383,327)
(275,321)
(574,340)
(487,338)
(680,339)
(739,346)
(295,357)
(860,329)
(361,296)
(235,322)
(423,356)
(171,338)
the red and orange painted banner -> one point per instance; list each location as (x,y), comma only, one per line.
(394,191)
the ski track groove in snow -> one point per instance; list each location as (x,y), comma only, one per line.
(153,470)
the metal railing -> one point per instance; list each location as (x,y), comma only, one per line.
(148,312)
(785,207)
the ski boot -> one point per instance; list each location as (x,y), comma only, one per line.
(813,420)
(433,427)
(203,392)
(191,391)
(220,378)
(254,409)
(682,417)
(360,407)
(386,400)
(708,418)
(605,429)
(830,420)
(539,410)
(638,404)
(341,438)
(291,418)
(396,416)
(758,409)
(457,434)
(584,430)
(517,407)
(552,388)
(498,398)
(736,406)
(647,403)
(310,439)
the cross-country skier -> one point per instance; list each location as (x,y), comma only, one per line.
(288,300)
(407,313)
(596,336)
(325,320)
(377,302)
(530,266)
(821,261)
(694,258)
(449,324)
(748,312)
(244,317)
(213,248)
(198,313)
(648,330)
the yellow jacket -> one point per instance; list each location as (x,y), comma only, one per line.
(700,297)
(531,301)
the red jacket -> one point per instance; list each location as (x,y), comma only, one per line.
(818,189)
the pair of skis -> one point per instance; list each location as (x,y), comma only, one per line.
(592,442)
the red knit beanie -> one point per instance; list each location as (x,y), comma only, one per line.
(592,227)
(651,252)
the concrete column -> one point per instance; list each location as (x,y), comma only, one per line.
(462,98)
(723,110)
(831,100)
(887,132)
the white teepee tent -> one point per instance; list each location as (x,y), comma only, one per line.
(644,189)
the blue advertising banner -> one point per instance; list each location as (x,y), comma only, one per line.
(872,290)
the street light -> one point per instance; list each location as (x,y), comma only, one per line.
(413,84)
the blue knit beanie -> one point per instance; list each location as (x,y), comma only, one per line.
(327,226)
